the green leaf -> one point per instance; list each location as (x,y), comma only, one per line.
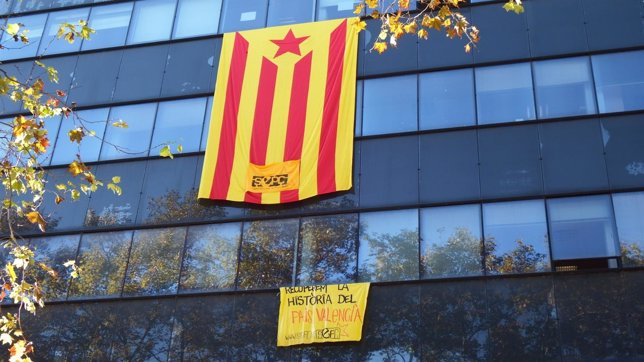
(12,29)
(119,124)
(180,148)
(165,152)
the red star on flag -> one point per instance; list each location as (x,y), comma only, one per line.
(290,44)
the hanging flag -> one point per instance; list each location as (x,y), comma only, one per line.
(281,127)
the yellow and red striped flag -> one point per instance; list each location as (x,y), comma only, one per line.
(281,127)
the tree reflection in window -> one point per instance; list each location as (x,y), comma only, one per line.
(629,211)
(54,252)
(388,246)
(267,253)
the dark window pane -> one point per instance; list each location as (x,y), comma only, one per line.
(104,260)
(14,50)
(548,20)
(206,125)
(504,93)
(629,214)
(564,87)
(189,68)
(65,67)
(582,228)
(328,251)
(626,32)
(450,241)
(52,125)
(516,237)
(573,156)
(139,64)
(243,14)
(388,246)
(22,72)
(210,261)
(210,211)
(446,99)
(68,215)
(624,150)
(111,23)
(95,77)
(108,209)
(619,79)
(30,5)
(196,17)
(91,120)
(389,172)
(359,109)
(510,164)
(54,252)
(336,9)
(451,50)
(50,43)
(284,12)
(389,111)
(267,254)
(506,34)
(134,140)
(449,168)
(155,260)
(405,56)
(179,123)
(151,21)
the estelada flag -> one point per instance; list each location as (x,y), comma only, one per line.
(281,127)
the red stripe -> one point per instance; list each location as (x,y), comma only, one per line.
(297,117)
(262,121)
(226,155)
(328,137)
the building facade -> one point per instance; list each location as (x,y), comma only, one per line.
(497,206)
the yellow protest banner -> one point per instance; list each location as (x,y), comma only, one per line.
(321,313)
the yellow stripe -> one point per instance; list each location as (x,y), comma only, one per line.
(216,118)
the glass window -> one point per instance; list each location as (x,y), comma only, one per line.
(151,21)
(627,32)
(109,209)
(266,258)
(65,67)
(504,93)
(64,3)
(243,14)
(5,6)
(179,123)
(21,71)
(155,260)
(210,260)
(336,9)
(624,150)
(328,250)
(14,50)
(629,213)
(134,140)
(52,125)
(95,77)
(619,80)
(188,68)
(146,63)
(358,117)
(54,251)
(404,58)
(196,17)
(564,87)
(49,43)
(516,237)
(548,20)
(449,167)
(510,161)
(450,241)
(388,246)
(91,120)
(446,99)
(389,105)
(206,125)
(284,12)
(68,215)
(104,260)
(582,228)
(111,23)
(507,34)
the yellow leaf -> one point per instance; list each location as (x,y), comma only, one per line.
(165,152)
(444,12)
(116,179)
(410,28)
(120,124)
(76,135)
(468,48)
(12,29)
(76,168)
(58,199)
(380,46)
(382,35)
(403,4)
(422,33)
(11,272)
(371,3)
(34,217)
(358,9)
(359,26)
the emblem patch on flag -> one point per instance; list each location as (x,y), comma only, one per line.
(281,127)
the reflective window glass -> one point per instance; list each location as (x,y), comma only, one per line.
(54,251)
(328,250)
(446,99)
(582,227)
(210,260)
(627,32)
(68,215)
(104,260)
(389,111)
(50,44)
(507,34)
(151,21)
(404,58)
(64,3)
(206,125)
(91,120)
(196,17)
(51,125)
(516,237)
(266,257)
(504,93)
(65,67)
(388,247)
(564,87)
(358,119)
(111,23)
(336,9)
(243,15)
(619,80)
(14,50)
(629,214)
(179,123)
(95,77)
(134,140)
(188,68)
(137,64)
(284,12)
(22,72)
(155,260)
(450,241)
(548,19)
(624,150)
(5,6)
